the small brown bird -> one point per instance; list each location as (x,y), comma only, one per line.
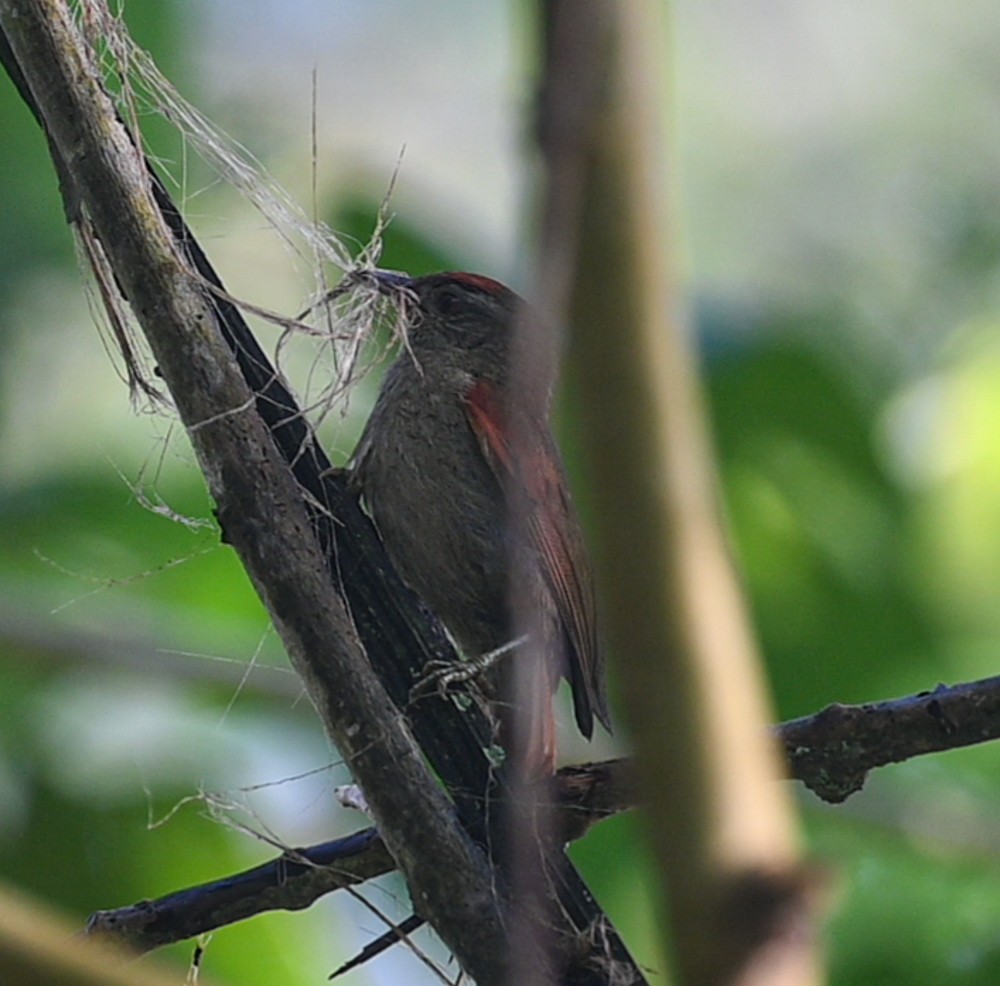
(439,467)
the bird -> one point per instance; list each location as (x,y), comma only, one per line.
(446,454)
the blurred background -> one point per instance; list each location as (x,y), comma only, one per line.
(838,233)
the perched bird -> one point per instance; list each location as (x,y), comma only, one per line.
(445,454)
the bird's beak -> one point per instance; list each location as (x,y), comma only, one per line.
(389,281)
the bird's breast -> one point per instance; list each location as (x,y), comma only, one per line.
(439,510)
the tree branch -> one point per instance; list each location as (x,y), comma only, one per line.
(296,879)
(293,881)
(259,502)
(831,752)
(396,631)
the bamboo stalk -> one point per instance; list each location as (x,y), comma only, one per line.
(722,828)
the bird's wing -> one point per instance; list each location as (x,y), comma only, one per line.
(536,471)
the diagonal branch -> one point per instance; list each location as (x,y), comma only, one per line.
(396,632)
(293,881)
(259,502)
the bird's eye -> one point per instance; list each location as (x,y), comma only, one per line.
(448,301)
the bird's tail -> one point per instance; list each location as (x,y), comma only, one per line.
(527,723)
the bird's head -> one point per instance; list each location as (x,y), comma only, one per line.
(455,317)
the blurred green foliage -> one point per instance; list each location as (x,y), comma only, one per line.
(860,480)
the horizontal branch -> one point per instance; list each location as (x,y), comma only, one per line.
(831,752)
(298,877)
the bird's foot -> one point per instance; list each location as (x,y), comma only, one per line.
(445,676)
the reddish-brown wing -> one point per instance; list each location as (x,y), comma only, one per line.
(534,466)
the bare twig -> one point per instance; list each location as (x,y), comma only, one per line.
(291,882)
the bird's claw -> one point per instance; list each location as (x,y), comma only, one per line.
(443,676)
